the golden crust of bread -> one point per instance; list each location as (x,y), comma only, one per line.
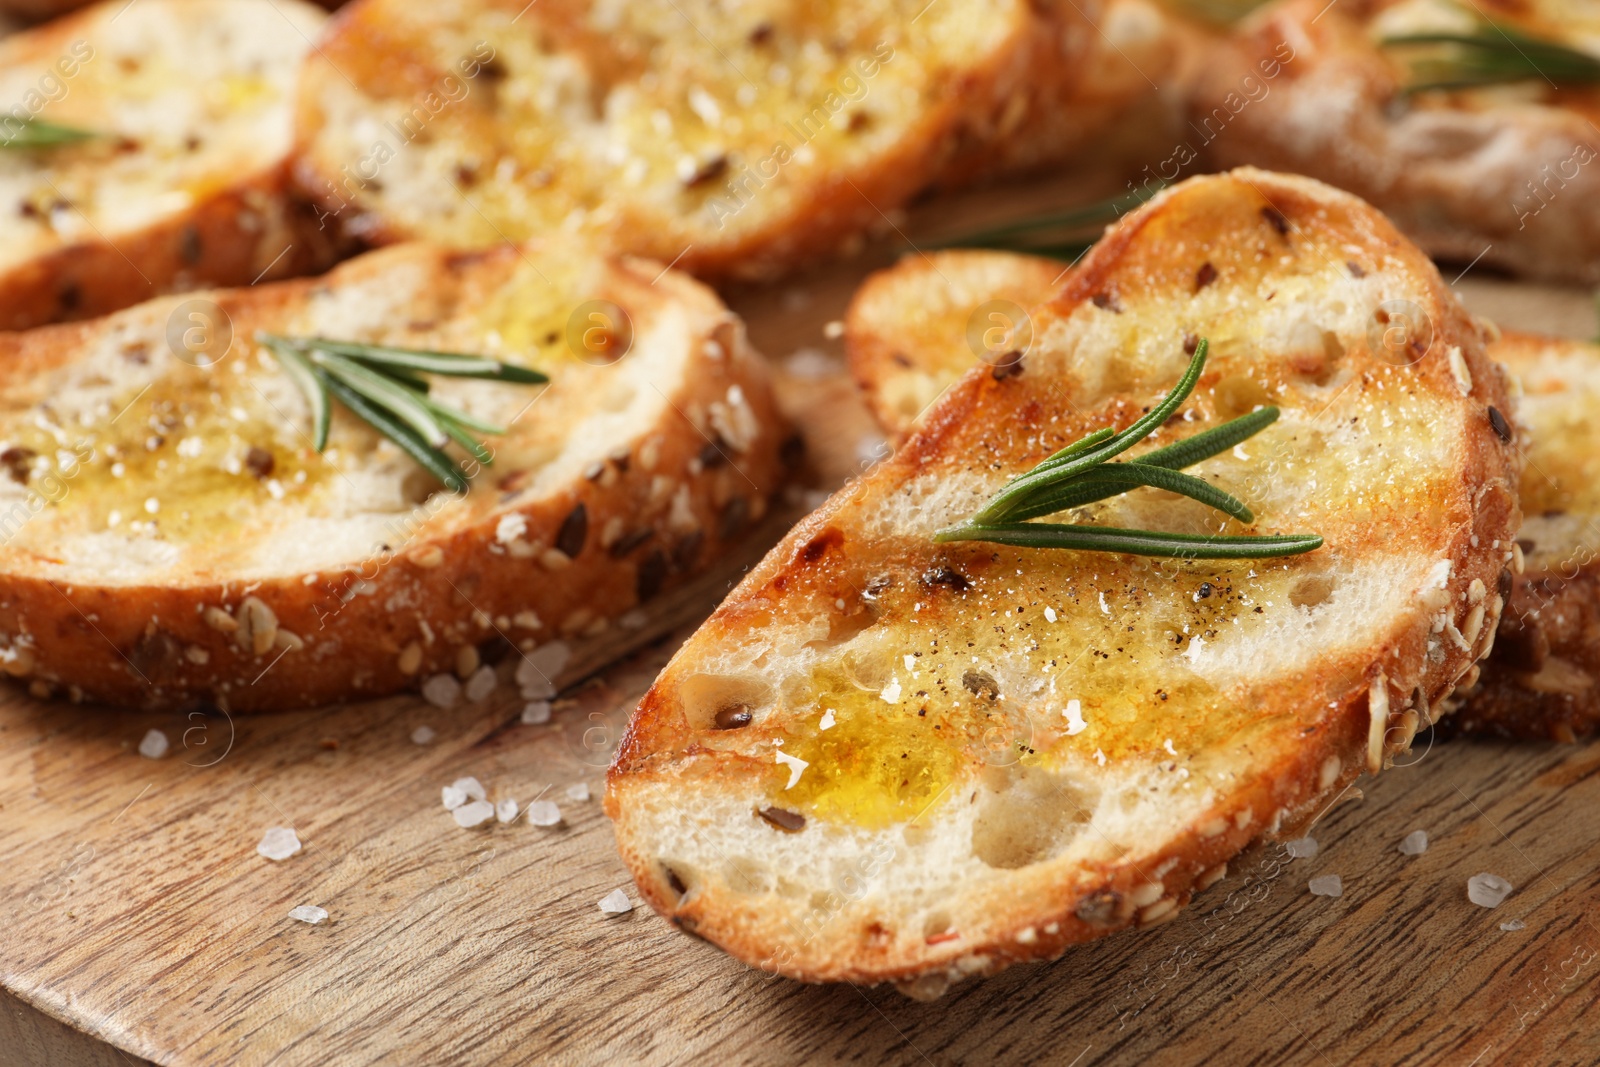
(1540,682)
(729,144)
(914,328)
(1108,811)
(190,184)
(1498,176)
(168,532)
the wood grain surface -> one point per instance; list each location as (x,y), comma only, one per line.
(140,924)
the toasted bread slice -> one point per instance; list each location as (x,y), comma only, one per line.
(907,336)
(915,328)
(728,143)
(186,184)
(1497,175)
(1542,680)
(885,758)
(169,532)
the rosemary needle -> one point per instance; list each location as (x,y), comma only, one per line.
(37,133)
(1491,55)
(1081,473)
(384,386)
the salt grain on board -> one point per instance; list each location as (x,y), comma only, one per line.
(544,813)
(616,902)
(536,713)
(481,684)
(1302,848)
(579,792)
(154,745)
(1415,843)
(308,913)
(1326,885)
(476,813)
(423,735)
(1487,890)
(506,810)
(452,798)
(442,690)
(278,843)
(1514,924)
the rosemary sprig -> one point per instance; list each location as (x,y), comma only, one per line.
(1061,234)
(1493,54)
(1082,473)
(384,386)
(37,133)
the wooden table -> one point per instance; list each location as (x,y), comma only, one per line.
(141,924)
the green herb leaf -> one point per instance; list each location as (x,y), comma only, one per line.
(450,364)
(37,133)
(304,375)
(1492,55)
(401,433)
(385,386)
(1080,474)
(1133,542)
(1071,461)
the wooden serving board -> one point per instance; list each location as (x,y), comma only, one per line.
(140,924)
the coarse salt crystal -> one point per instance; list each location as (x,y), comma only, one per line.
(278,843)
(442,690)
(481,684)
(472,787)
(1514,924)
(539,668)
(308,913)
(1050,614)
(1415,843)
(544,813)
(578,792)
(452,798)
(1487,890)
(891,692)
(1326,885)
(536,713)
(154,745)
(1302,848)
(474,814)
(506,810)
(616,902)
(1074,714)
(423,735)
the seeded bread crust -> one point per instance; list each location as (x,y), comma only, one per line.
(620,482)
(997,867)
(726,143)
(190,185)
(1498,176)
(1540,682)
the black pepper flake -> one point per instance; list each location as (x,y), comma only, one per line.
(18,462)
(1106,302)
(260,462)
(946,577)
(574,531)
(1279,221)
(787,821)
(733,717)
(1190,343)
(1204,591)
(1356,270)
(1204,276)
(1501,427)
